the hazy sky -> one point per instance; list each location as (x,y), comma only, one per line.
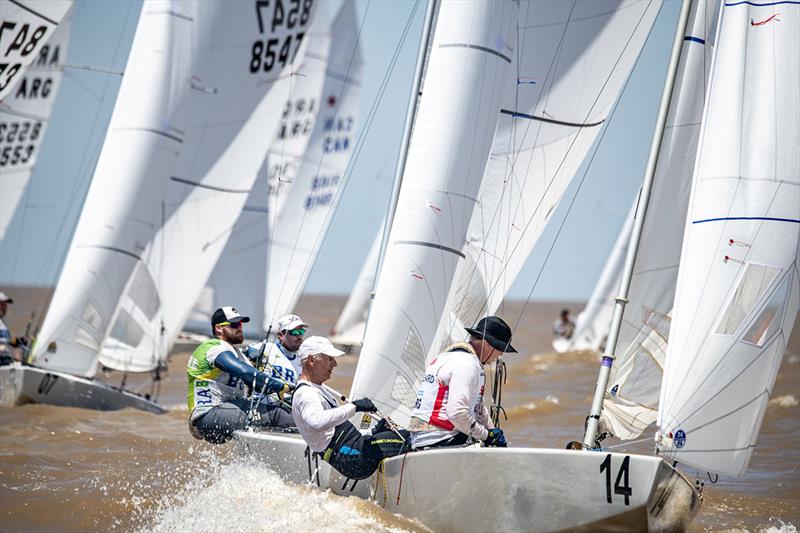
(101,36)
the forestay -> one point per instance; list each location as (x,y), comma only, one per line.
(468,71)
(26,25)
(307,210)
(631,401)
(24,114)
(350,326)
(239,277)
(591,326)
(182,151)
(737,291)
(571,63)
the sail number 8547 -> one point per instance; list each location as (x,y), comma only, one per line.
(266,53)
(621,484)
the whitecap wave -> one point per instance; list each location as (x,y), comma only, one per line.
(247,496)
(787,400)
(781,527)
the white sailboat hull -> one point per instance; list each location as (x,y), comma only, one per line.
(512,489)
(26,384)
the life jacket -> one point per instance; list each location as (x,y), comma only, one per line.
(430,410)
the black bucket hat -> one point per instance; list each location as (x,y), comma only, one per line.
(495,331)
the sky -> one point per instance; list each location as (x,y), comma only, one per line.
(564,265)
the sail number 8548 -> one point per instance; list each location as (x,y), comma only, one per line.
(621,485)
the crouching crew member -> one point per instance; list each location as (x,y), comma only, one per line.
(325,425)
(449,408)
(218,374)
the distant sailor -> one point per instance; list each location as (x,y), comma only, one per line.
(281,356)
(564,326)
(7,355)
(450,409)
(218,373)
(325,425)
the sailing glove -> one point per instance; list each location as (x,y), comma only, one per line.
(496,438)
(365,405)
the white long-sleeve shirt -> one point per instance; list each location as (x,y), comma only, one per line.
(316,414)
(450,400)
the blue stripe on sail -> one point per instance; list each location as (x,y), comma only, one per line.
(694,39)
(772,219)
(755,4)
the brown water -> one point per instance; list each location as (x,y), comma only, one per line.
(69,469)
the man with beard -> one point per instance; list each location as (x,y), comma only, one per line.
(218,373)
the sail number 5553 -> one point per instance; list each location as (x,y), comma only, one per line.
(266,53)
(621,485)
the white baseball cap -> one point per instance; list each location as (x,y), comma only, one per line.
(315,345)
(289,322)
(5,298)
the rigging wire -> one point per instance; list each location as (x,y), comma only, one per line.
(345,179)
(512,133)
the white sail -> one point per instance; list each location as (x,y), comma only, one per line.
(591,326)
(350,326)
(468,72)
(635,380)
(306,212)
(737,290)
(573,60)
(239,277)
(26,25)
(24,113)
(184,142)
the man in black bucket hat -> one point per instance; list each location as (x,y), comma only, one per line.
(449,409)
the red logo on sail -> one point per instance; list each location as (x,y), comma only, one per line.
(766,20)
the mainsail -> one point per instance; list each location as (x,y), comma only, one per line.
(635,380)
(571,63)
(468,72)
(239,277)
(303,219)
(737,291)
(27,25)
(24,113)
(182,151)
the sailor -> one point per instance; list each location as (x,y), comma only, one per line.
(325,425)
(564,327)
(218,373)
(449,409)
(281,356)
(7,355)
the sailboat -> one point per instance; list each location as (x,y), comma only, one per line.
(183,148)
(591,325)
(428,276)
(24,114)
(27,26)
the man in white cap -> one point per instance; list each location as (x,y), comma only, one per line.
(281,356)
(6,351)
(449,409)
(325,425)
(218,374)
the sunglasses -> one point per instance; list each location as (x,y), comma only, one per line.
(234,325)
(296,332)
